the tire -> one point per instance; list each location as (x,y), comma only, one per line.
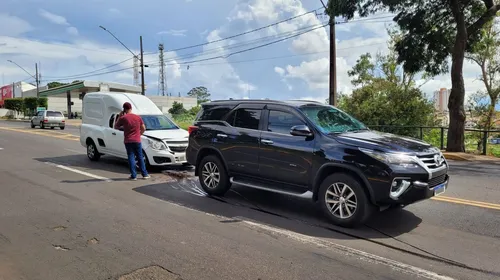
(92,152)
(335,183)
(52,127)
(146,161)
(61,127)
(210,166)
(32,125)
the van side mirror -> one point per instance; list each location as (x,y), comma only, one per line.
(301,130)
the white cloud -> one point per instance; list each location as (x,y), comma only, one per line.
(72,30)
(173,32)
(114,11)
(13,26)
(56,19)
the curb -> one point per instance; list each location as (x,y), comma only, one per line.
(27,121)
(455,157)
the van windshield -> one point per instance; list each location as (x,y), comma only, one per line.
(158,122)
(331,120)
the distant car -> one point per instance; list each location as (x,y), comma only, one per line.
(48,118)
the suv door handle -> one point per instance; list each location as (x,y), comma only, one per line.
(114,133)
(222,135)
(266,142)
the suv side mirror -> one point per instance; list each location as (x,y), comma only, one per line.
(301,130)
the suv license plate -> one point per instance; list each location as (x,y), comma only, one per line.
(439,189)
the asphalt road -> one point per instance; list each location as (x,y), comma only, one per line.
(64,217)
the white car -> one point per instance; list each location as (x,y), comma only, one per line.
(163,142)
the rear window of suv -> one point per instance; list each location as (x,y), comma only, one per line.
(54,114)
(213,113)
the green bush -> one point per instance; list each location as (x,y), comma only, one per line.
(43,102)
(30,104)
(14,104)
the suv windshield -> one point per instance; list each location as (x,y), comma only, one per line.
(157,122)
(330,120)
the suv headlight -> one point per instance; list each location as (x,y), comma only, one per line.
(156,145)
(398,160)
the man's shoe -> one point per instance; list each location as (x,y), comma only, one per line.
(132,178)
(146,177)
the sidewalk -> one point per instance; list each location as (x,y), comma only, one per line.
(469,157)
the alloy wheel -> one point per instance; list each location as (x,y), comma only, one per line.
(90,151)
(211,175)
(341,200)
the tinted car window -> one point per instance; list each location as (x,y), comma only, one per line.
(54,114)
(282,122)
(245,118)
(214,113)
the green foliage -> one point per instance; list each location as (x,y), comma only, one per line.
(43,102)
(30,104)
(15,104)
(194,110)
(386,96)
(200,93)
(177,109)
(55,84)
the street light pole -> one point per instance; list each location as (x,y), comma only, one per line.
(141,58)
(333,60)
(37,81)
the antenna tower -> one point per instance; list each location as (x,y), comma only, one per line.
(162,81)
(136,71)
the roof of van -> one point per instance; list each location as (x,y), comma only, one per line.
(140,104)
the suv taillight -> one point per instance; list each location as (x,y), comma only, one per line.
(45,120)
(192,128)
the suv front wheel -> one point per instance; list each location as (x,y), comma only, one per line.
(344,201)
(213,176)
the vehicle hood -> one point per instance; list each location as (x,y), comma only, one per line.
(177,134)
(384,141)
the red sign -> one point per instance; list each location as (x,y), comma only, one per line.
(5,92)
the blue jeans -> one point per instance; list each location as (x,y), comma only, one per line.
(134,150)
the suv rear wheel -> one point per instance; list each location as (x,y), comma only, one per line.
(213,176)
(344,201)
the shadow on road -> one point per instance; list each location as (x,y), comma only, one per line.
(290,213)
(109,164)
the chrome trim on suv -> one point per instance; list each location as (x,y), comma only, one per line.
(439,163)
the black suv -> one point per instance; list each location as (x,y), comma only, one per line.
(311,150)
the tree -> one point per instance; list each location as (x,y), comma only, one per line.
(55,84)
(30,104)
(177,109)
(387,95)
(433,30)
(43,102)
(14,104)
(486,54)
(200,93)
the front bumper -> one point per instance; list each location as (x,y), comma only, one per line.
(411,191)
(164,157)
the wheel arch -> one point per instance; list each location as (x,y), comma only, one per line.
(205,151)
(331,168)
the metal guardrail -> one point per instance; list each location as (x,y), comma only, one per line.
(418,132)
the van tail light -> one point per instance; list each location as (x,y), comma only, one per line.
(63,121)
(192,128)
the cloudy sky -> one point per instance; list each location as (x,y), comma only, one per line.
(65,39)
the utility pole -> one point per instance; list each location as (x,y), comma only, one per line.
(333,61)
(135,57)
(142,68)
(37,81)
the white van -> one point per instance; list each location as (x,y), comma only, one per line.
(163,142)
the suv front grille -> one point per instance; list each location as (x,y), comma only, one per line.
(432,161)
(437,180)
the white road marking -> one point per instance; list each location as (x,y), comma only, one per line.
(1,149)
(80,172)
(75,151)
(402,267)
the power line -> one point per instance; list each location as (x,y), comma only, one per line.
(107,67)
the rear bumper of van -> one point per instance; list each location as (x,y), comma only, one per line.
(161,158)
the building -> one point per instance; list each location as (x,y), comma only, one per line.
(68,98)
(14,90)
(441,98)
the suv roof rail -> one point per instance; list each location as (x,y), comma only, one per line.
(305,100)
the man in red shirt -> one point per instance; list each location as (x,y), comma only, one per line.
(133,128)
